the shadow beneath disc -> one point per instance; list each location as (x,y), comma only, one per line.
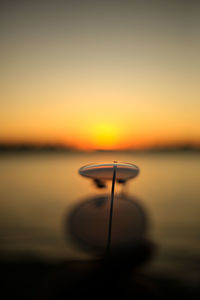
(87,225)
(105,276)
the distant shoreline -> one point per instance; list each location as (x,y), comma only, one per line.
(30,148)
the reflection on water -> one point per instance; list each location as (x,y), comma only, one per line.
(39,192)
(88,223)
(111,274)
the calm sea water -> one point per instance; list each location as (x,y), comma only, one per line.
(39,193)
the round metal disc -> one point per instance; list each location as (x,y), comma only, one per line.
(104,171)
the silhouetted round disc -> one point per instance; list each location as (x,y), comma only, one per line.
(88,223)
(124,171)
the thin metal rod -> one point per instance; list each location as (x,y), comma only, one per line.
(111,209)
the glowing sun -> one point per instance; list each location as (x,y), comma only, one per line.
(105,136)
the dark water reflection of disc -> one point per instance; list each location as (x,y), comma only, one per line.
(88,223)
(108,274)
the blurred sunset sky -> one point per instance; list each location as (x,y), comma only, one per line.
(100,74)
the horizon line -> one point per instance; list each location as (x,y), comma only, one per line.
(57,146)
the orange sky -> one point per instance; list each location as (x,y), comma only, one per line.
(106,76)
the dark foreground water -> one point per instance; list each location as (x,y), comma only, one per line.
(50,216)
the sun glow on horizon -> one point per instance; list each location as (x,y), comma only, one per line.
(124,79)
(105,136)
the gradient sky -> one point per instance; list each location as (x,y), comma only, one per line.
(100,74)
